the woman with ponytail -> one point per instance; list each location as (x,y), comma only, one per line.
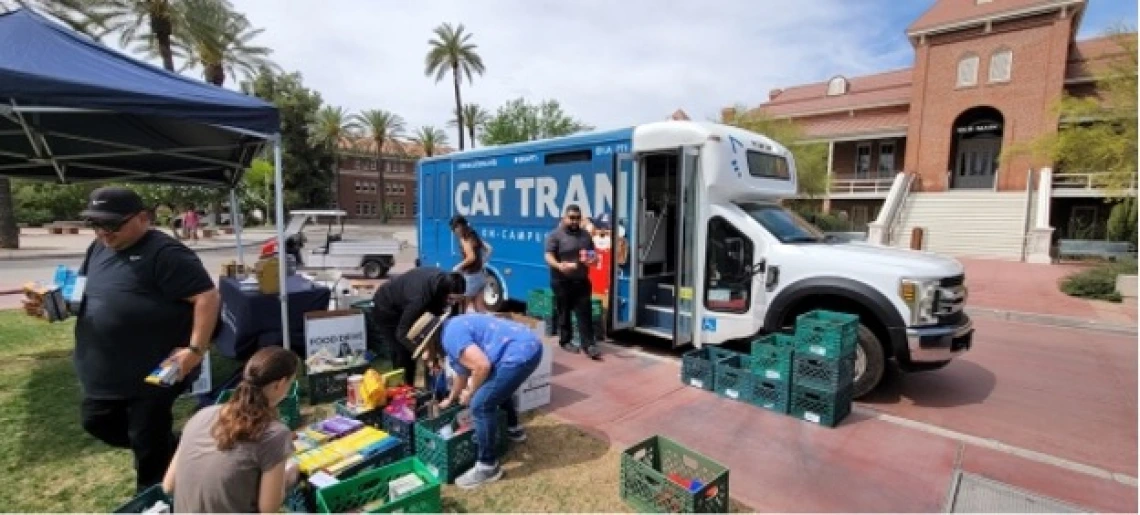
(233,457)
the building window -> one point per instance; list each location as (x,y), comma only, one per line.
(863,160)
(415,207)
(968,71)
(886,159)
(1001,65)
(837,86)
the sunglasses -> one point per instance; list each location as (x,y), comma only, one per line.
(109,226)
(574,218)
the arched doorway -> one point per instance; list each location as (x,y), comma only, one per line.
(977,145)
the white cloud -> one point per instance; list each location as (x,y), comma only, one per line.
(609,63)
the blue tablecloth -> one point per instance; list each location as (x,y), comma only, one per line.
(252,320)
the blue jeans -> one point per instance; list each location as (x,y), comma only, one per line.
(495,393)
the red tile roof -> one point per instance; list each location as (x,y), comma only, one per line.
(946,12)
(822,127)
(868,90)
(1093,57)
(397,148)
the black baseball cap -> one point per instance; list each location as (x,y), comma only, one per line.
(112,204)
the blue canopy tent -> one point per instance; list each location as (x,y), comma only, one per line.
(73,110)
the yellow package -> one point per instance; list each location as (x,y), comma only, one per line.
(372,391)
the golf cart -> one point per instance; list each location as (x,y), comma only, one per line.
(373,258)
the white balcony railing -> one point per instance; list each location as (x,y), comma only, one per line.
(876,186)
(1090,182)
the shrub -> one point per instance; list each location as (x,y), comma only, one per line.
(1098,282)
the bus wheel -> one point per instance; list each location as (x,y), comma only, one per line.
(493,294)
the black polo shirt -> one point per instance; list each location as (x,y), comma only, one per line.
(134,312)
(567,247)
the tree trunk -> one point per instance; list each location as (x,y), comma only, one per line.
(162,28)
(458,103)
(215,75)
(471,131)
(381,186)
(9,232)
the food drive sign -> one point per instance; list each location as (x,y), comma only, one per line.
(544,196)
(340,334)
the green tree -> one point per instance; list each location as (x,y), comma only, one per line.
(155,22)
(218,40)
(474,119)
(307,168)
(811,158)
(382,127)
(1098,133)
(430,139)
(452,52)
(332,128)
(257,186)
(518,120)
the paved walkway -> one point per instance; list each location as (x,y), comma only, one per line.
(1047,411)
(1033,288)
(40,244)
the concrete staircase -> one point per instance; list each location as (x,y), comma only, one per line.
(983,224)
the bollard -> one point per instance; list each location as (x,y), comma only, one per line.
(916,235)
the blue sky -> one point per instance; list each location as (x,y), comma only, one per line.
(609,63)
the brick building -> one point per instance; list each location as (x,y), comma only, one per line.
(920,147)
(358,180)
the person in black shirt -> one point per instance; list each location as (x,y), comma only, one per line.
(399,302)
(147,299)
(569,251)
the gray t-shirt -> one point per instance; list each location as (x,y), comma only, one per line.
(567,247)
(207,480)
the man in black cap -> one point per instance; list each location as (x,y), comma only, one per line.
(398,303)
(147,298)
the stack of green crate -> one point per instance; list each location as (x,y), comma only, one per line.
(823,366)
(771,371)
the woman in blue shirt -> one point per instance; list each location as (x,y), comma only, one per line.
(491,357)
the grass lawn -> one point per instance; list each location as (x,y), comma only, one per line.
(51,465)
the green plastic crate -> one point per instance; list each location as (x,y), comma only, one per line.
(540,303)
(332,385)
(447,458)
(698,367)
(733,376)
(829,375)
(772,357)
(289,410)
(353,494)
(770,395)
(819,406)
(646,485)
(827,334)
(145,500)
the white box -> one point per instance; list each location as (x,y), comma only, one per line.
(531,398)
(541,375)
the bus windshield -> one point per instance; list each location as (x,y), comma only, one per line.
(785,225)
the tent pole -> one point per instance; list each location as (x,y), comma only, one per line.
(282,268)
(236,223)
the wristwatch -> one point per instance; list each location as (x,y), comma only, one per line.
(197,350)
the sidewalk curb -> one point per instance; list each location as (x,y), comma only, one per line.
(7,256)
(1052,320)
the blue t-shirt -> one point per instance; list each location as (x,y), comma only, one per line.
(503,341)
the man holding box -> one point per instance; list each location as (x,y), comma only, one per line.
(145,301)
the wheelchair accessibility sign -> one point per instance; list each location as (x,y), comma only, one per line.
(708,324)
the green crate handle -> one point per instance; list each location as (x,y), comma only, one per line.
(813,396)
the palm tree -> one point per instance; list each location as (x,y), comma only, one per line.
(450,52)
(332,127)
(218,39)
(474,118)
(383,127)
(153,21)
(430,139)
